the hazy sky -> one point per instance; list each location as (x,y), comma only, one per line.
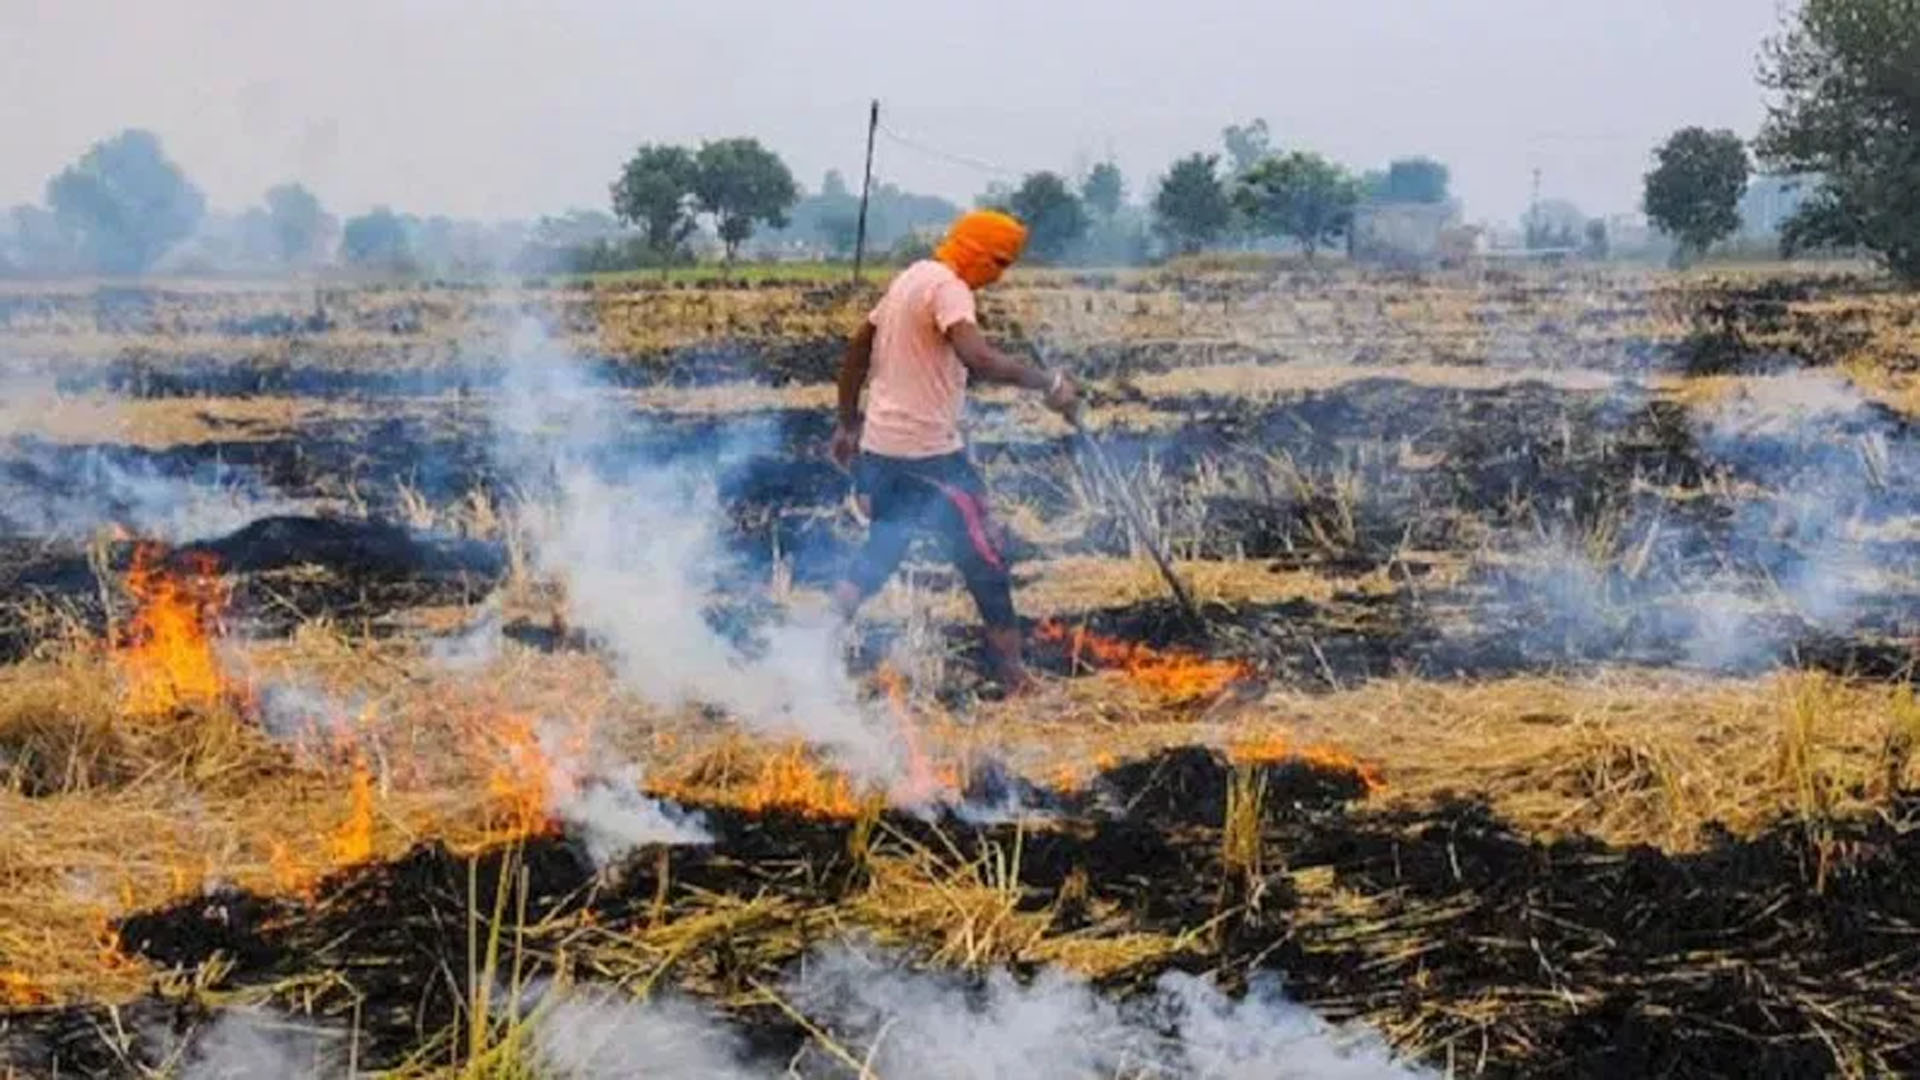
(491,108)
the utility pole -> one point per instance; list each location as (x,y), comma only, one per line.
(1534,231)
(866,187)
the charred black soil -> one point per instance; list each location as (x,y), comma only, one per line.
(1373,476)
(1788,954)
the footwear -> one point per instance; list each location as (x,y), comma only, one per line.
(846,600)
(1009,669)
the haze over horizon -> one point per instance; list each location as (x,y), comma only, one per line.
(513,110)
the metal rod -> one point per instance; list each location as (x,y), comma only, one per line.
(866,186)
(1110,476)
(1137,518)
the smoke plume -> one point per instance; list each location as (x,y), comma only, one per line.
(244,1044)
(59,493)
(597,1034)
(637,545)
(611,818)
(1810,500)
(946,1026)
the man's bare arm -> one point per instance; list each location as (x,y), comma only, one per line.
(989,363)
(853,374)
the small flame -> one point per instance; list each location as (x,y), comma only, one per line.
(924,782)
(353,841)
(1073,776)
(1176,675)
(19,991)
(290,875)
(1277,749)
(167,653)
(523,782)
(107,939)
(790,781)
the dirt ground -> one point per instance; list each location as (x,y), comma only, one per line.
(1549,711)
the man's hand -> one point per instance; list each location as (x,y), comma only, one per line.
(1063,394)
(844,444)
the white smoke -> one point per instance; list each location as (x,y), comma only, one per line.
(637,545)
(936,1025)
(1817,447)
(597,1034)
(1809,471)
(297,711)
(49,492)
(1264,1036)
(939,1026)
(246,1044)
(476,645)
(611,818)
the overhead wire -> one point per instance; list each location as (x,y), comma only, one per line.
(964,160)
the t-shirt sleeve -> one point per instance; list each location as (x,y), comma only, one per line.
(952,303)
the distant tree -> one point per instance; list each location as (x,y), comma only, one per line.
(1554,223)
(1247,145)
(579,241)
(1054,217)
(836,214)
(830,217)
(575,227)
(1597,246)
(1848,109)
(741,183)
(655,194)
(1409,180)
(839,229)
(998,196)
(1191,209)
(1301,196)
(1693,193)
(377,238)
(912,247)
(35,243)
(434,243)
(1104,189)
(298,222)
(124,204)
(251,241)
(896,214)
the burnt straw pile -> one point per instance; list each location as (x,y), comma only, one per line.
(1469,946)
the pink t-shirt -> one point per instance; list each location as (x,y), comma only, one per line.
(916,383)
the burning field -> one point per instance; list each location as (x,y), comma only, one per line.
(441,685)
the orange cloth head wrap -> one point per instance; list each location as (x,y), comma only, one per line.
(981,245)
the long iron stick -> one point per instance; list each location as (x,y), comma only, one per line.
(1110,476)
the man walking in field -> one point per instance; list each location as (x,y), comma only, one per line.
(913,356)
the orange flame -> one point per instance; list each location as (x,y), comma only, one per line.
(107,939)
(353,841)
(1177,675)
(1277,749)
(523,782)
(1071,777)
(924,781)
(290,875)
(19,991)
(790,781)
(167,653)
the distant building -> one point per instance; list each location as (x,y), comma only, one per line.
(1770,202)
